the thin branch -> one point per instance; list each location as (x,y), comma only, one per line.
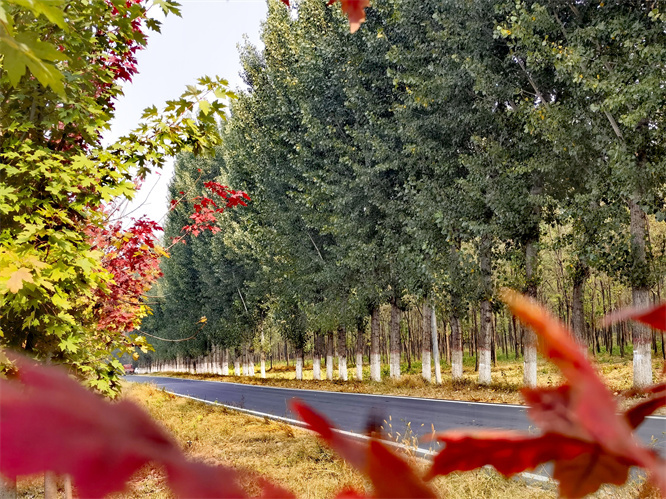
(173,341)
(241,297)
(315,245)
(532,83)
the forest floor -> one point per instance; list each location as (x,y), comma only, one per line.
(507,378)
(291,457)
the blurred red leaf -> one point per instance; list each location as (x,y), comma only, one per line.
(588,405)
(391,476)
(52,423)
(48,422)
(589,443)
(355,10)
(654,316)
(586,472)
(637,414)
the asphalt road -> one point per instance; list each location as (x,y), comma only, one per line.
(352,411)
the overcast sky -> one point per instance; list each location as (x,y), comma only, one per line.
(202,42)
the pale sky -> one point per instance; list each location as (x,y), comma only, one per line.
(202,42)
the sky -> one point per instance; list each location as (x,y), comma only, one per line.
(202,42)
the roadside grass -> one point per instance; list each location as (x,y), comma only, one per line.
(507,378)
(291,457)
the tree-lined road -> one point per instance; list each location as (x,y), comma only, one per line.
(352,411)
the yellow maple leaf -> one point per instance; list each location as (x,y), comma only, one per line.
(16,280)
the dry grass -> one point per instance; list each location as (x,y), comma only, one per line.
(507,380)
(289,456)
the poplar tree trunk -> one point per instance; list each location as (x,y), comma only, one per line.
(395,341)
(435,345)
(456,347)
(237,361)
(485,334)
(529,338)
(50,486)
(250,361)
(68,487)
(456,350)
(359,353)
(245,369)
(316,357)
(581,273)
(375,363)
(426,370)
(7,488)
(263,354)
(640,294)
(342,353)
(225,362)
(329,356)
(299,363)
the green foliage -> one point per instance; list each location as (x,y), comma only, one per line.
(55,177)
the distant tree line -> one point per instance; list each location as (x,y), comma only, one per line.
(402,174)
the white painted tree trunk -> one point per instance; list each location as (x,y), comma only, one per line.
(299,364)
(50,486)
(7,488)
(342,353)
(237,361)
(329,356)
(360,343)
(456,349)
(530,360)
(225,362)
(529,338)
(263,355)
(316,357)
(375,356)
(486,333)
(641,337)
(395,341)
(484,344)
(426,370)
(68,487)
(640,294)
(316,368)
(435,346)
(246,370)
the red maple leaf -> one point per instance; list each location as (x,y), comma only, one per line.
(653,316)
(48,422)
(391,476)
(584,436)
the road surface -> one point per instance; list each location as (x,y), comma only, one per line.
(352,411)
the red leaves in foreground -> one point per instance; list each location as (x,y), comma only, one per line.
(654,316)
(50,422)
(587,440)
(390,475)
(354,9)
